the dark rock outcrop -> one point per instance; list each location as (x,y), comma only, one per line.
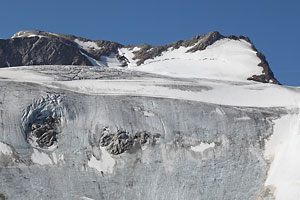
(45,131)
(121,141)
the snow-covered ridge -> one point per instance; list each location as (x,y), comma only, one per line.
(224,60)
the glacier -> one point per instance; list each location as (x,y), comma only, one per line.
(253,128)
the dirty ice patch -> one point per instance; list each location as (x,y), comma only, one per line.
(282,150)
(105,165)
(40,158)
(202,147)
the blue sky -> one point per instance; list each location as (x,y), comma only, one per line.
(273,25)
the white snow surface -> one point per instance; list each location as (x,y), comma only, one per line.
(246,93)
(40,158)
(226,59)
(31,35)
(105,165)
(283,151)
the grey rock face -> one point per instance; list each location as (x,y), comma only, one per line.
(43,48)
(145,142)
(40,51)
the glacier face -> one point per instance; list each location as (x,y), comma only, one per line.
(158,121)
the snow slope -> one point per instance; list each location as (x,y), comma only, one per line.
(226,59)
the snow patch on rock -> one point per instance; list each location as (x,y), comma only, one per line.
(26,35)
(89,45)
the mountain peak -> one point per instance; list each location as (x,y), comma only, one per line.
(211,55)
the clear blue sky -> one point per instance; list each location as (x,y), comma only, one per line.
(273,25)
